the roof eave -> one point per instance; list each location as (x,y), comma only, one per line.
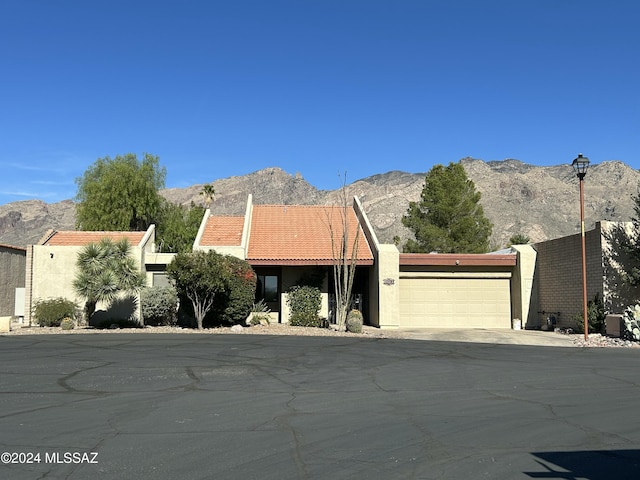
(463,259)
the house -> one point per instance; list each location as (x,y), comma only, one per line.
(292,244)
(285,243)
(50,266)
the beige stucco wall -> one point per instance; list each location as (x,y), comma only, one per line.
(385,288)
(524,299)
(54,269)
(290,277)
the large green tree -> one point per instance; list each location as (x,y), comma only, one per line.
(105,269)
(120,193)
(448,218)
(177,226)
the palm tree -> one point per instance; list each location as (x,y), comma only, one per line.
(209,194)
(104,270)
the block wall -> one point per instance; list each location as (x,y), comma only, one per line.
(559,275)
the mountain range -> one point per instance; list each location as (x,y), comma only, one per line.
(518,198)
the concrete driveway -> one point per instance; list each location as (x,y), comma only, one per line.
(495,336)
(136,406)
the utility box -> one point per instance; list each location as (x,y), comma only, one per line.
(5,324)
(614,325)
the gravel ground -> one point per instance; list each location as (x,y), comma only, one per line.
(600,341)
(273,329)
(594,340)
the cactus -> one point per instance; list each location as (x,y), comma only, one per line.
(67,324)
(632,323)
(354,321)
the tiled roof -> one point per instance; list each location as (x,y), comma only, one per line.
(300,234)
(79,239)
(225,231)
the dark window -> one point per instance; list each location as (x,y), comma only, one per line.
(267,288)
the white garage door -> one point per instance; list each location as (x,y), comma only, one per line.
(455,303)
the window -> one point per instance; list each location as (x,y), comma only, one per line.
(267,288)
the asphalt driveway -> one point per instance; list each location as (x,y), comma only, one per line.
(120,406)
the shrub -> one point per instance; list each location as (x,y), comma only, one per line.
(49,313)
(67,324)
(304,303)
(234,304)
(632,323)
(159,306)
(596,315)
(354,321)
(260,314)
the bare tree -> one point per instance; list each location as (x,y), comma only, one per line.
(344,251)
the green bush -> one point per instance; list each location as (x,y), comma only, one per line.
(632,323)
(596,316)
(67,324)
(354,321)
(159,306)
(304,303)
(49,313)
(234,304)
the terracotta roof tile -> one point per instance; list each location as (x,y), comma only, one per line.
(295,234)
(223,231)
(79,239)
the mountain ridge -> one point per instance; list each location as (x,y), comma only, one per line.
(518,198)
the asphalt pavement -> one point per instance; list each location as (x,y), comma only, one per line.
(144,406)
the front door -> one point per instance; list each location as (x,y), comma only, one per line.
(268,288)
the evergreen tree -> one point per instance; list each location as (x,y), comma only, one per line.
(120,194)
(177,226)
(448,218)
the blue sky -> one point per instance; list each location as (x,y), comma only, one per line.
(316,87)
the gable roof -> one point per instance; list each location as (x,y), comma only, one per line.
(225,231)
(80,239)
(289,234)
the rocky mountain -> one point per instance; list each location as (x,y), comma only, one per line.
(540,202)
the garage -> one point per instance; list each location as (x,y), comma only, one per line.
(455,292)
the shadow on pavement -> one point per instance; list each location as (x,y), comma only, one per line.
(589,465)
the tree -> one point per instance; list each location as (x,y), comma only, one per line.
(209,194)
(205,277)
(177,226)
(104,270)
(629,244)
(344,251)
(119,194)
(519,239)
(448,218)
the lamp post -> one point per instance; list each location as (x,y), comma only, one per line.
(580,166)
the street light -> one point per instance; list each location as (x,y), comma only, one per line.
(580,166)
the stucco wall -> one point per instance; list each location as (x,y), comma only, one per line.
(54,268)
(12,275)
(290,277)
(559,274)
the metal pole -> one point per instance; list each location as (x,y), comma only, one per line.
(584,263)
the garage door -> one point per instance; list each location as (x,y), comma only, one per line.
(455,303)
